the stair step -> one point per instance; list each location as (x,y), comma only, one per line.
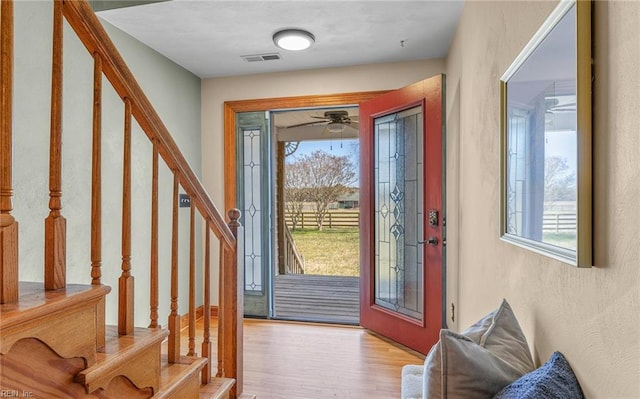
(53,316)
(181,379)
(136,356)
(218,388)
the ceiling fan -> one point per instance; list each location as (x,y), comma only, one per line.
(555,105)
(335,120)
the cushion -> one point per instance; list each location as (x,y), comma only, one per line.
(411,387)
(554,380)
(432,377)
(479,362)
(412,369)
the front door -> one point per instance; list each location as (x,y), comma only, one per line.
(402,244)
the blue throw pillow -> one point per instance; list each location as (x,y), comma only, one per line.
(554,380)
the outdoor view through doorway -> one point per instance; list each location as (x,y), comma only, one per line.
(318,263)
(321,203)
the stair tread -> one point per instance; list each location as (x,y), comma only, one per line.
(217,388)
(34,301)
(173,375)
(116,343)
(121,348)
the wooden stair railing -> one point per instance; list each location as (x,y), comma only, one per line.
(293,259)
(109,63)
(87,27)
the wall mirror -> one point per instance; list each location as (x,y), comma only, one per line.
(546,139)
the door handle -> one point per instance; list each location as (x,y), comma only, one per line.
(429,241)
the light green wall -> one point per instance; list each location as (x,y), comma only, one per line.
(591,315)
(176,95)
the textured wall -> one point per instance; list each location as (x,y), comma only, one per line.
(591,315)
(176,95)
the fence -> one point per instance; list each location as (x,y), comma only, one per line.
(332,219)
(559,221)
(551,221)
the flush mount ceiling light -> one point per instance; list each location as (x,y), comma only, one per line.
(293,39)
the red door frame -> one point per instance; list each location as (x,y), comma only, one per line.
(419,336)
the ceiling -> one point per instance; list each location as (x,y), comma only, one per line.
(283,120)
(210,37)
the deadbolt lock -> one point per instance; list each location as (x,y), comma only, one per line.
(433,218)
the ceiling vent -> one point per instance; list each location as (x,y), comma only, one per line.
(261,57)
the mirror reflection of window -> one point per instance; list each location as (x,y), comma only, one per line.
(541,163)
(560,163)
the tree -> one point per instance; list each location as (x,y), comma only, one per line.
(295,191)
(559,181)
(319,178)
(330,177)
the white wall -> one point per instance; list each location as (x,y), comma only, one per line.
(176,95)
(216,91)
(591,315)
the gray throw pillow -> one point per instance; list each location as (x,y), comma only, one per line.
(479,362)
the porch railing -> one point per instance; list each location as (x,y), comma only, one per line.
(293,259)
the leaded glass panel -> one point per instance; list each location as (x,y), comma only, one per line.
(252,210)
(398,168)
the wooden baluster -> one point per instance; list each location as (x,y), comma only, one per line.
(174,318)
(206,313)
(126,281)
(154,239)
(96,197)
(8,224)
(192,282)
(222,289)
(96,174)
(55,225)
(233,305)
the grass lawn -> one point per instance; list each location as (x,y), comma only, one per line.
(332,252)
(563,239)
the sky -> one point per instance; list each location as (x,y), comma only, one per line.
(348,147)
(562,143)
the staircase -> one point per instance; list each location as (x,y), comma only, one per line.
(54,341)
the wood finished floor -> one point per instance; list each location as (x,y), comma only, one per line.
(290,360)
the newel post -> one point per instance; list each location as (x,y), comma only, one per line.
(8,224)
(233,304)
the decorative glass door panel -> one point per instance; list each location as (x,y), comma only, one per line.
(253,200)
(252,210)
(398,210)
